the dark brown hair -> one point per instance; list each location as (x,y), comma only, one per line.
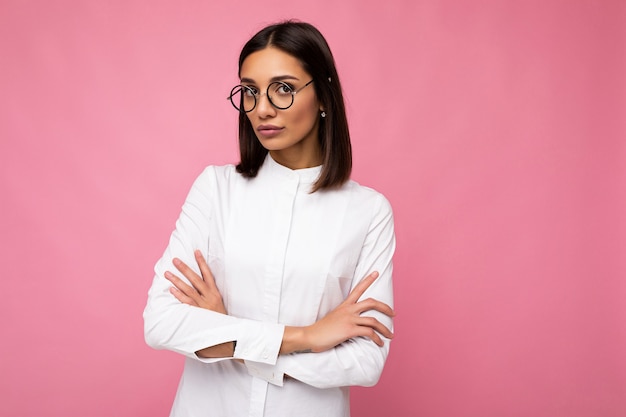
(304,42)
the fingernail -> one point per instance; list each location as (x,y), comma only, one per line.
(176,261)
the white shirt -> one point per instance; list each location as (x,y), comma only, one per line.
(280,256)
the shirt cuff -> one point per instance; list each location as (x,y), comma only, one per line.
(259,342)
(265,372)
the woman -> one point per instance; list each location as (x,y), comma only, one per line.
(293,303)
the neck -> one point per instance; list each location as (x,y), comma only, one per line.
(297,160)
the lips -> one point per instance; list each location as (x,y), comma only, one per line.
(269,131)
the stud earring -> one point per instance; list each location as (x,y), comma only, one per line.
(323,114)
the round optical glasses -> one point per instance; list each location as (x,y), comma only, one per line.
(279,94)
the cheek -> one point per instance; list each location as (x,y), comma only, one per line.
(306,115)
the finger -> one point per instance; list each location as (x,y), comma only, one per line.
(207,276)
(180,296)
(191,275)
(370,334)
(374,324)
(181,285)
(376,339)
(360,288)
(373,304)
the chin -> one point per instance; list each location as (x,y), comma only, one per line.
(273,144)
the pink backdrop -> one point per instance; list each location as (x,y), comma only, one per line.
(496,128)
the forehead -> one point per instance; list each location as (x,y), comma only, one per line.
(271,62)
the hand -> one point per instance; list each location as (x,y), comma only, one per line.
(203,292)
(341,324)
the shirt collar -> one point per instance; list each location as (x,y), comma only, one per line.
(304,175)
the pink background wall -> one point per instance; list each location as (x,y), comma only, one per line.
(496,128)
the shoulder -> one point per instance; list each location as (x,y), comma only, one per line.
(369,196)
(218,172)
(214,179)
(362,205)
(215,175)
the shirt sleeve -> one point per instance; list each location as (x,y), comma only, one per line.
(170,324)
(357,361)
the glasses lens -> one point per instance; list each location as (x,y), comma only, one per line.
(280,94)
(243,98)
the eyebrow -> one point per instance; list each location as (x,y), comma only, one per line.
(273,79)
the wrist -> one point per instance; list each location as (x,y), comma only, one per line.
(294,340)
(223,350)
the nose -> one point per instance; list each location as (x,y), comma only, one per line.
(264,108)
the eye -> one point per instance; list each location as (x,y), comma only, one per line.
(283,89)
(249,91)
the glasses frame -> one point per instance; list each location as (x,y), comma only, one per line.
(257,96)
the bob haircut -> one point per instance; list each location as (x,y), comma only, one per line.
(304,42)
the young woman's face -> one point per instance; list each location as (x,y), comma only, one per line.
(290,135)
